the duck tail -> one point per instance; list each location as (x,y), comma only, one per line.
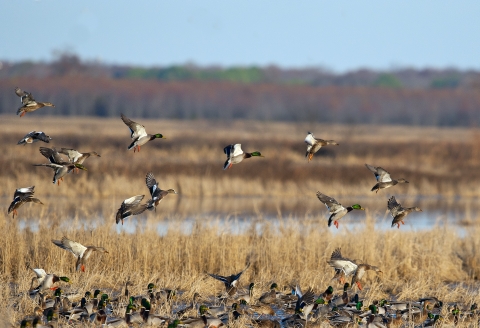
(331,142)
(330,220)
(375,188)
(227,164)
(131,145)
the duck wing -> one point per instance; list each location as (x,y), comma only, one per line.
(152,184)
(52,155)
(394,207)
(332,205)
(137,130)
(381,174)
(25,97)
(75,248)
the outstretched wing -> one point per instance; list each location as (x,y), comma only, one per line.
(52,155)
(151,183)
(75,248)
(341,263)
(137,130)
(25,97)
(233,150)
(41,136)
(332,205)
(394,207)
(310,140)
(380,174)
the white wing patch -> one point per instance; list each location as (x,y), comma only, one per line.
(310,139)
(237,150)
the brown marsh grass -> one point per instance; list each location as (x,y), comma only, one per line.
(285,248)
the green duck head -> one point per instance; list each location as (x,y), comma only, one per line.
(87,295)
(235,306)
(159,136)
(66,279)
(203,309)
(359,305)
(131,300)
(383,302)
(274,286)
(146,304)
(101,304)
(257,153)
(320,300)
(25,323)
(96,293)
(58,292)
(373,308)
(151,286)
(329,290)
(357,207)
(129,308)
(346,286)
(174,323)
(243,302)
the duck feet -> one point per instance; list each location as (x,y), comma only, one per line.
(335,223)
(359,285)
(23,113)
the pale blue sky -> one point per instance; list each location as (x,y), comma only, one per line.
(338,35)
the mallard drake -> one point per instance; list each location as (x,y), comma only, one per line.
(81,253)
(155,191)
(20,197)
(336,209)
(235,155)
(360,272)
(383,178)
(398,212)
(246,296)
(48,282)
(314,145)
(130,206)
(151,319)
(138,134)
(61,170)
(29,103)
(343,299)
(270,296)
(230,282)
(34,136)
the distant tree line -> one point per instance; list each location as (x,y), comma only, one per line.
(419,97)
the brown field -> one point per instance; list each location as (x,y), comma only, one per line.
(284,232)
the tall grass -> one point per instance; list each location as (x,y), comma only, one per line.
(289,246)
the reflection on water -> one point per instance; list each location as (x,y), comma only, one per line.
(240,215)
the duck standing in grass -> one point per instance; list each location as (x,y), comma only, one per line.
(383,178)
(235,155)
(34,136)
(398,212)
(138,134)
(336,209)
(231,282)
(20,197)
(81,253)
(314,145)
(155,191)
(29,103)
(131,206)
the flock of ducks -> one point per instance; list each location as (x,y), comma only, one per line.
(297,307)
